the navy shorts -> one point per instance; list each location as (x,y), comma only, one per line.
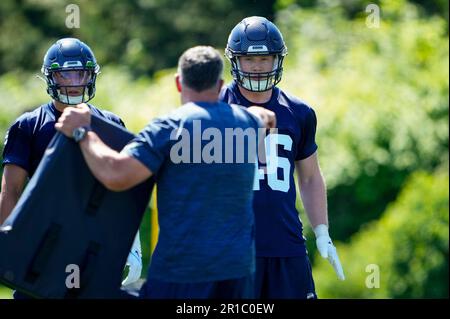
(284,278)
(240,288)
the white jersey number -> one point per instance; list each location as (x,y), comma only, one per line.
(274,162)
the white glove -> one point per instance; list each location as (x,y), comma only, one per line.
(134,262)
(327,249)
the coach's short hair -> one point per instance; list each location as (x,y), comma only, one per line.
(200,68)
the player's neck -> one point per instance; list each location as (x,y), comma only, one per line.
(256,97)
(59,106)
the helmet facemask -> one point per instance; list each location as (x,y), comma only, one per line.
(257,81)
(72,86)
(73,82)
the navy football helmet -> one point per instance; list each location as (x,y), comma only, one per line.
(70,70)
(256,36)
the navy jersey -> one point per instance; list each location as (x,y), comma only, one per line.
(29,136)
(277,223)
(204,208)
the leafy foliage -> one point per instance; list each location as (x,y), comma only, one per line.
(381,97)
(408,244)
(143,35)
(380,94)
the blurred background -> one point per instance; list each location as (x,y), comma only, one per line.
(380,89)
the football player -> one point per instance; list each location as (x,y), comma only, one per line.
(70,70)
(256,50)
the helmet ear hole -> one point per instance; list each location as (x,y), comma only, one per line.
(52,90)
(91,86)
(90,90)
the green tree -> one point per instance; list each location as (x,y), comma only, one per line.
(143,35)
(409,245)
(381,95)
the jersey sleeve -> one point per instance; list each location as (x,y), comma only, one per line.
(120,122)
(152,145)
(113,117)
(255,120)
(17,146)
(307,144)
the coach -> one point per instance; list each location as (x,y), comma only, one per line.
(206,242)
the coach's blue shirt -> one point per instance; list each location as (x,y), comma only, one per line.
(279,231)
(204,209)
(29,136)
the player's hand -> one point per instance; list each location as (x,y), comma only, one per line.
(73,117)
(266,116)
(134,262)
(327,250)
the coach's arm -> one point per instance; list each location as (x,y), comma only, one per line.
(117,171)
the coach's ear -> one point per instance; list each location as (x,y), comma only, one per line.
(178,82)
(220,84)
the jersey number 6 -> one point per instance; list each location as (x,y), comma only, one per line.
(274,162)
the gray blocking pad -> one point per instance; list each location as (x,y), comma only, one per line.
(66,223)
